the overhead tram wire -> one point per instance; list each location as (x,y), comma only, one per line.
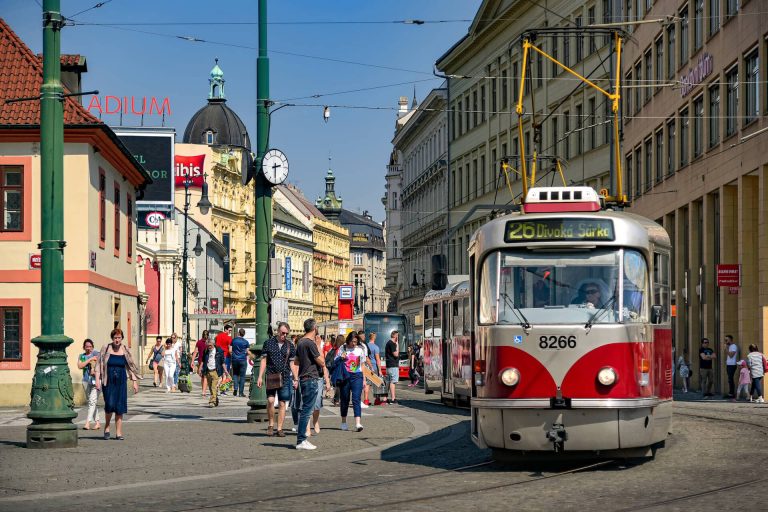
(100,4)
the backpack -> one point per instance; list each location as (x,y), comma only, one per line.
(329,357)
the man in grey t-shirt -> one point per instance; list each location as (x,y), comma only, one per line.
(308,359)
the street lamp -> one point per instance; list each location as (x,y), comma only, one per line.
(357,296)
(204,205)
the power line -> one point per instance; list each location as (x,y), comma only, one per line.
(100,4)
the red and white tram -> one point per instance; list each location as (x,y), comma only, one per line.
(572,343)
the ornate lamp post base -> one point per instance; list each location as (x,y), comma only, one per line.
(257,398)
(51,406)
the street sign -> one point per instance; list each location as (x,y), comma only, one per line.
(345,292)
(35,261)
(288,274)
(728,275)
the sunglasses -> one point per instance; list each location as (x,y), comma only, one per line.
(283,333)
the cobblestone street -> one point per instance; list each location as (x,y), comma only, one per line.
(180,455)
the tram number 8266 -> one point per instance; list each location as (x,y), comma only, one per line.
(557,342)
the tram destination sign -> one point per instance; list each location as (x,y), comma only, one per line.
(559,230)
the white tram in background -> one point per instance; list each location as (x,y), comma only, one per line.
(569,330)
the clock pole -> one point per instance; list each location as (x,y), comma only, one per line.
(257,400)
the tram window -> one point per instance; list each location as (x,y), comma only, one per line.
(458,318)
(661,283)
(488,294)
(427,322)
(635,286)
(436,326)
(467,318)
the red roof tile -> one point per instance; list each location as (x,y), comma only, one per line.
(21,74)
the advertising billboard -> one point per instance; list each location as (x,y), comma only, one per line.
(153,148)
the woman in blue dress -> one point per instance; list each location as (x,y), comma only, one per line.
(115,367)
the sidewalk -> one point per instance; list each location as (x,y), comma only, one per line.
(177,435)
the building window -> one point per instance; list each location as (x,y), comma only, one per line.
(659,154)
(684,137)
(579,39)
(475,109)
(466,114)
(209,137)
(731,8)
(714,16)
(567,133)
(592,124)
(482,103)
(117,219)
(628,97)
(698,24)
(683,35)
(698,126)
(494,96)
(129,225)
(628,10)
(714,115)
(10,334)
(102,208)
(555,67)
(555,135)
(751,88)
(358,258)
(638,87)
(12,198)
(659,47)
(630,177)
(591,21)
(648,164)
(539,70)
(579,129)
(671,146)
(648,74)
(504,90)
(394,200)
(567,50)
(515,84)
(731,100)
(607,18)
(671,51)
(607,114)
(638,174)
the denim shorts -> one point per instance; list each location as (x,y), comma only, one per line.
(320,392)
(284,393)
(393,374)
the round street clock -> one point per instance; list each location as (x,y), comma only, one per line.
(274,166)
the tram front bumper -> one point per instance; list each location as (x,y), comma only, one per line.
(583,429)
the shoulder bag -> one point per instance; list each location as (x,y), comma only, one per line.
(275,380)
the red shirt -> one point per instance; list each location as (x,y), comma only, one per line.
(224,340)
(200,347)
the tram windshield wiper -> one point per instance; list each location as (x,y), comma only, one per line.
(600,312)
(524,323)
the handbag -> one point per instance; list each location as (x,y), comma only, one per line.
(339,373)
(275,380)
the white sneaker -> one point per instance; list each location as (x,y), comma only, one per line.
(359,428)
(344,427)
(364,406)
(761,400)
(293,430)
(306,445)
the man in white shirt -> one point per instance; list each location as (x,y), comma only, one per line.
(731,362)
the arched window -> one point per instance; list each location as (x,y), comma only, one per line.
(209,137)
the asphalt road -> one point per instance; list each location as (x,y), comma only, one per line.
(180,456)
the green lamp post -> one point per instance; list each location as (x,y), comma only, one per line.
(257,399)
(51,405)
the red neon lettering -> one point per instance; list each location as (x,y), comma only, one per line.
(143,106)
(94,103)
(106,105)
(160,109)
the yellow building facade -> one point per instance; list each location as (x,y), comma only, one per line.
(330,267)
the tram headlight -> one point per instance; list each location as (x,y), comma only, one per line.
(510,377)
(607,376)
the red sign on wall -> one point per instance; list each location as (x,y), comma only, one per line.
(189,167)
(729,275)
(35,261)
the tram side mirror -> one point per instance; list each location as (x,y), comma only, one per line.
(656,313)
(439,272)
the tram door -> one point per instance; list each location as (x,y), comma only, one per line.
(446,340)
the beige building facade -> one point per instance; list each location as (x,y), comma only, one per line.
(695,161)
(482,122)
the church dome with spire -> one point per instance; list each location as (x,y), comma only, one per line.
(216,123)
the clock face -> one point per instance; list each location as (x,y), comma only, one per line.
(274,166)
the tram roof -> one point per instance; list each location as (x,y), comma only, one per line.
(460,288)
(630,230)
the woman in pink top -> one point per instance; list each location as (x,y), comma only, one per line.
(745,380)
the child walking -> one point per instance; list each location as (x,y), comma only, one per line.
(745,381)
(684,368)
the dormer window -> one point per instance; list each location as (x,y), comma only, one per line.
(209,137)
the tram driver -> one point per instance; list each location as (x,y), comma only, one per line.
(592,293)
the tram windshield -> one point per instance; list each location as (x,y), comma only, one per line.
(595,287)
